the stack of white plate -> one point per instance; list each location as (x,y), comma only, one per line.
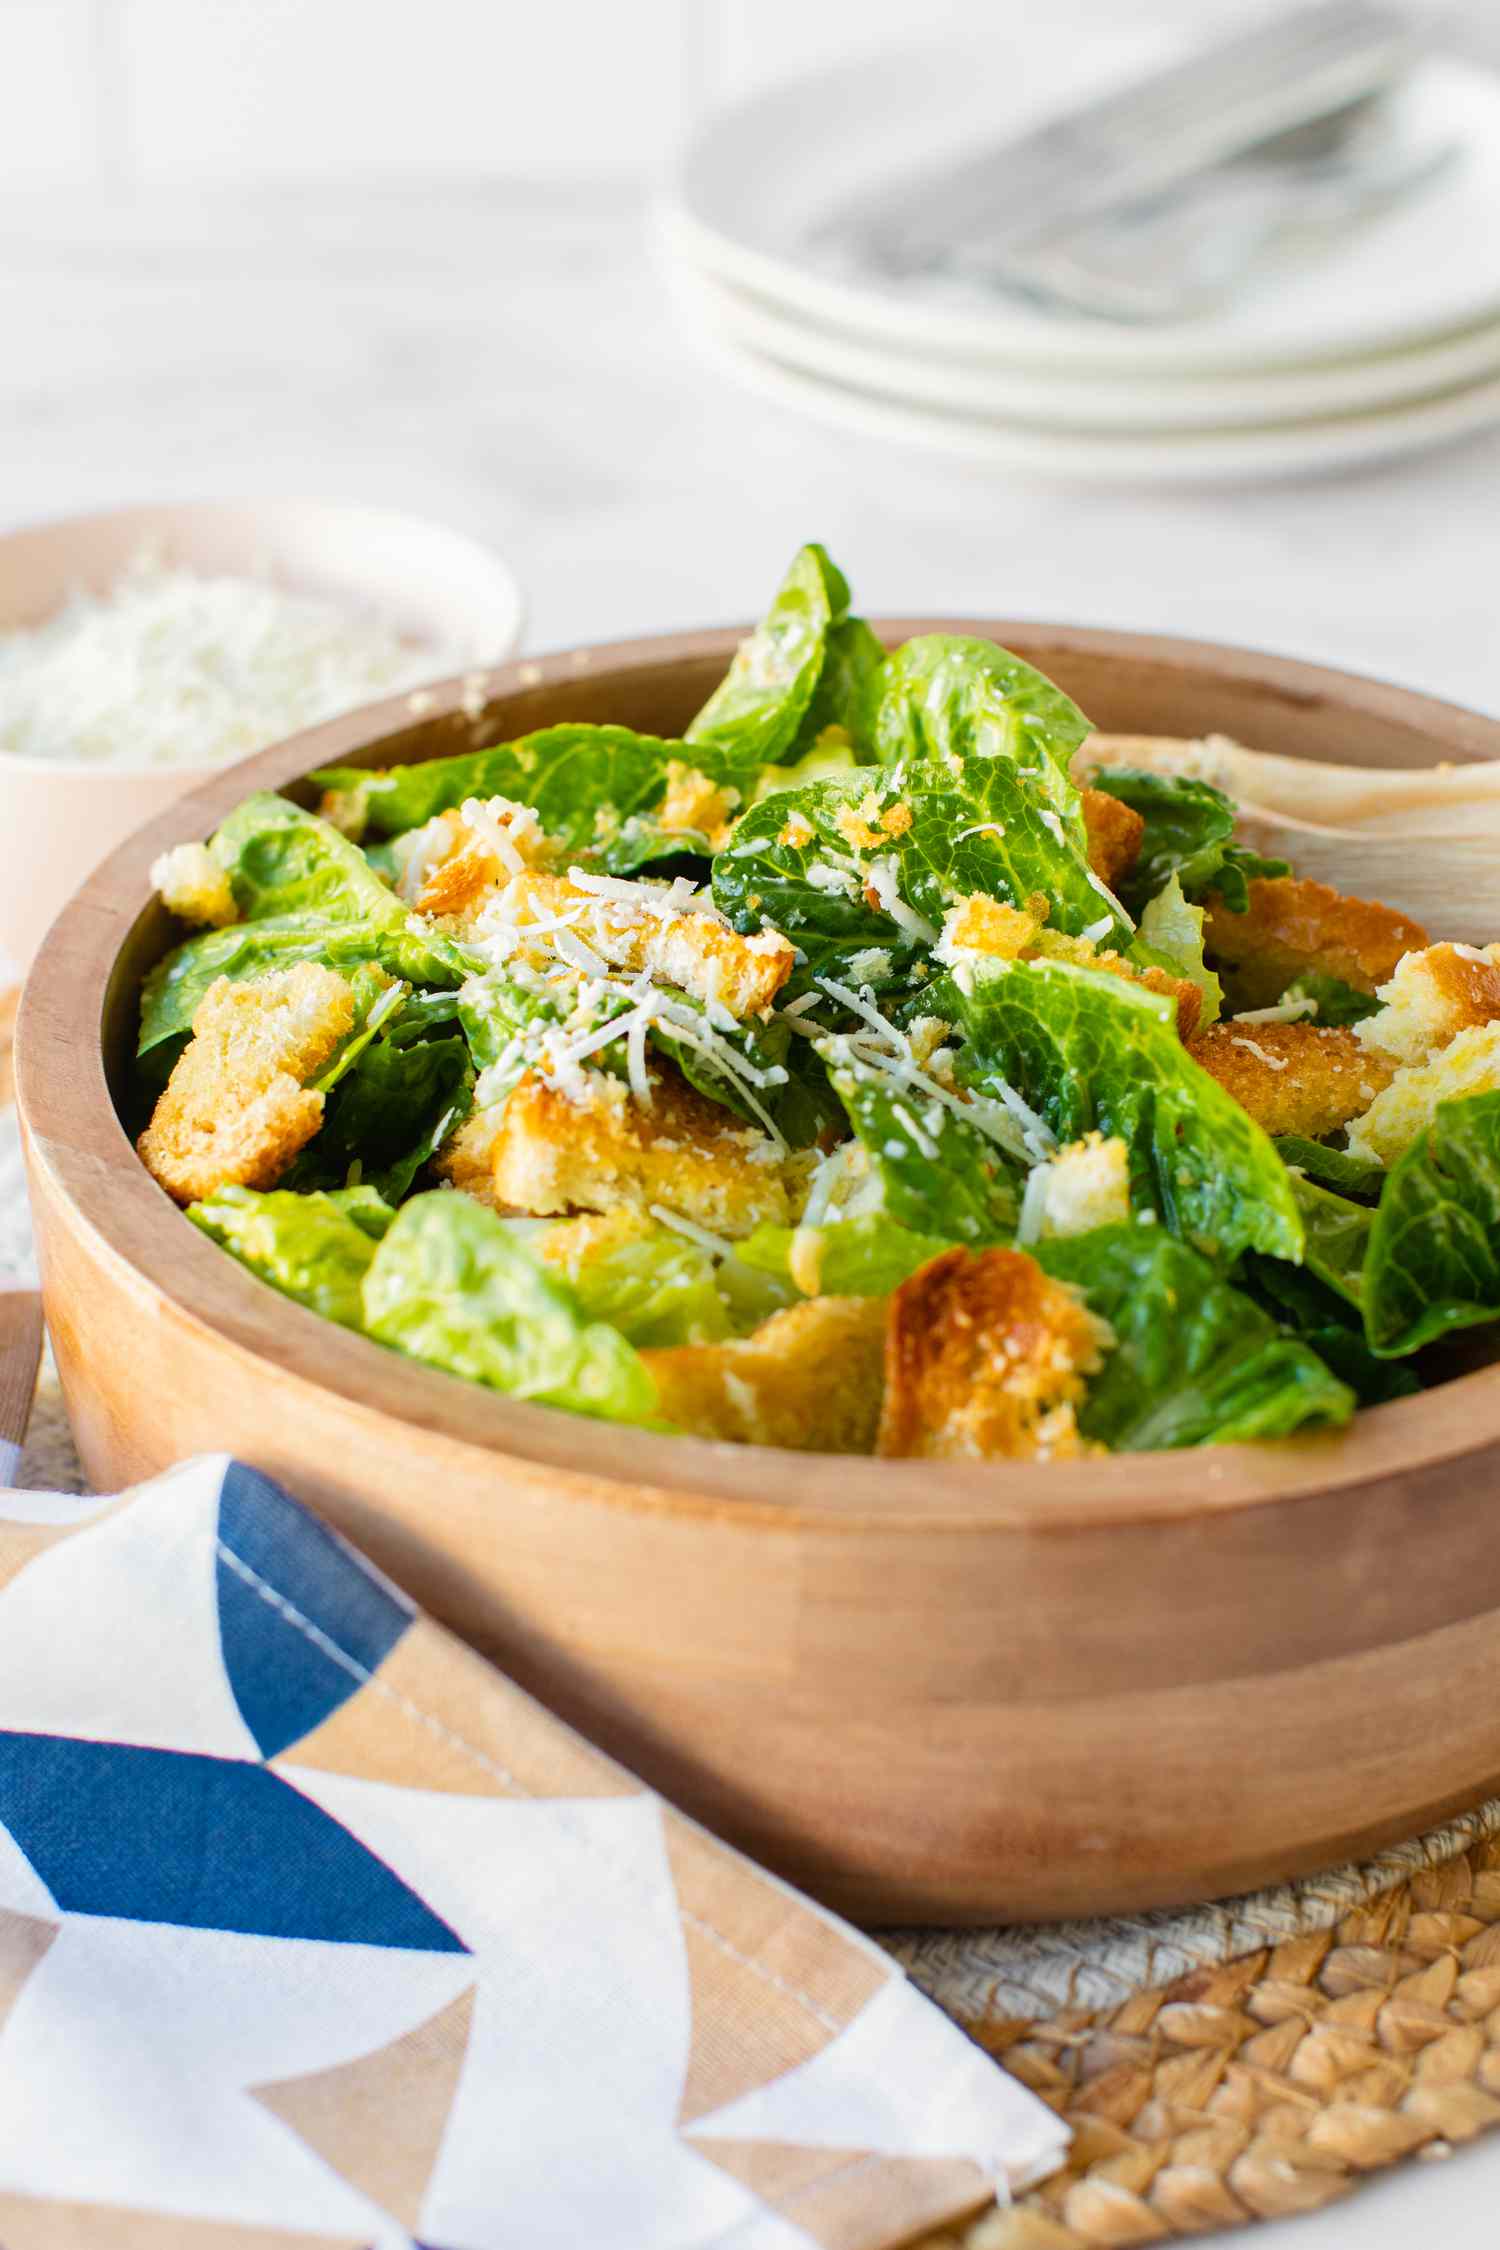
(1389,344)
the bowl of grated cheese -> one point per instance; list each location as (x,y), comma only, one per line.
(143,648)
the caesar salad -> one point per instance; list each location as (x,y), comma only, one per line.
(881,1067)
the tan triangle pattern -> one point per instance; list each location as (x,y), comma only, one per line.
(772,1980)
(379,2120)
(29,2222)
(847,2199)
(21,1543)
(436,1716)
(23,1941)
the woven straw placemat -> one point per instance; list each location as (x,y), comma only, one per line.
(1241,2061)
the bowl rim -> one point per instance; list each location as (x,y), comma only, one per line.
(74,1137)
(511,597)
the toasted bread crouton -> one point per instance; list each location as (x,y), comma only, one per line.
(594,1147)
(192,885)
(1115,830)
(1085,1185)
(985,1360)
(466,1159)
(983,925)
(1291,926)
(1433,996)
(1469,1064)
(235,1110)
(634,926)
(454,865)
(694,805)
(1302,1078)
(809,1377)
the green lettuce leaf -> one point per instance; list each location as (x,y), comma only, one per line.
(1170,936)
(1337,1237)
(450,1285)
(656,1288)
(1194,1362)
(1354,1176)
(1087,1051)
(1433,1263)
(389,1115)
(1329,1325)
(1334,1001)
(285,864)
(1189,833)
(939,1176)
(172,991)
(847,695)
(866,1256)
(758,712)
(315,1248)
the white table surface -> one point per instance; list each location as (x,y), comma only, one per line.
(508,361)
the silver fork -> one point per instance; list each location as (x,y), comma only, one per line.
(1288,73)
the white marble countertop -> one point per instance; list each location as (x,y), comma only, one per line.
(508,361)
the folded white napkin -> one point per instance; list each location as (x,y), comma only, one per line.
(314,1928)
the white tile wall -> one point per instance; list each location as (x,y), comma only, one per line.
(222,91)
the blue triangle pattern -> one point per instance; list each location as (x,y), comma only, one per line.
(207,1843)
(285,1680)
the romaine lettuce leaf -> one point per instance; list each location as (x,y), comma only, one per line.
(1433,1262)
(1194,1361)
(1170,936)
(950,704)
(867,1256)
(172,991)
(1088,1051)
(1337,1236)
(1333,1000)
(452,1286)
(1354,1176)
(938,1175)
(654,1286)
(758,712)
(1328,1324)
(1189,833)
(315,1248)
(284,863)
(847,695)
(389,1114)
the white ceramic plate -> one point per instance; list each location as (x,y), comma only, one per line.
(1209,456)
(759,174)
(1112,405)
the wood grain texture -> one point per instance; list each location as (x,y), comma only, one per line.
(941,1691)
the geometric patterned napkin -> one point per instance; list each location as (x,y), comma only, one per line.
(316,1933)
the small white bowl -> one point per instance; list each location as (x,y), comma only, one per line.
(62,816)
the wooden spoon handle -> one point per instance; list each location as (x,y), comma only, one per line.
(1451,884)
(1438,799)
(20,1356)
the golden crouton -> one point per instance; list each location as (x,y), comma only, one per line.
(1433,996)
(1469,1064)
(235,1110)
(455,864)
(193,886)
(694,805)
(1115,830)
(985,1360)
(549,1151)
(1302,1078)
(698,952)
(1291,926)
(809,1377)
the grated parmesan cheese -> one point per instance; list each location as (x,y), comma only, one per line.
(170,668)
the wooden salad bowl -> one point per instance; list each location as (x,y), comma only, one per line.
(951,1692)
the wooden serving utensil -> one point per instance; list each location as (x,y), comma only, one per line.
(1435,800)
(1448,883)
(20,1356)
